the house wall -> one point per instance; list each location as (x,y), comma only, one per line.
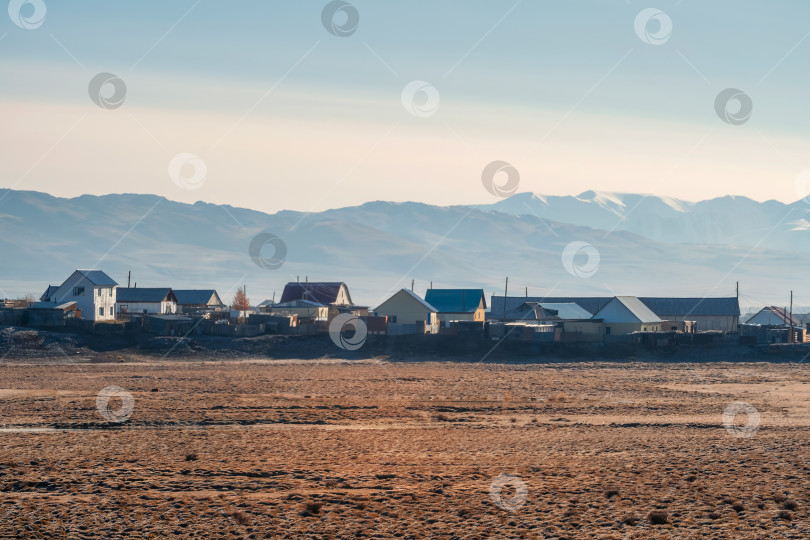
(342,296)
(724,323)
(318,313)
(152,308)
(768,318)
(618,329)
(444,317)
(94,298)
(406,309)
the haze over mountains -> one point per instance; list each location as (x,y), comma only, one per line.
(646,245)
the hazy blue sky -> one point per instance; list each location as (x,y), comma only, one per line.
(285,114)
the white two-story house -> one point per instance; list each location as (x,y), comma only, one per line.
(92,290)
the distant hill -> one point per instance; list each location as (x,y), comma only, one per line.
(737,221)
(663,247)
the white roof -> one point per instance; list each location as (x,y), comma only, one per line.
(635,306)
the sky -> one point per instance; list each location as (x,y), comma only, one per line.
(280,105)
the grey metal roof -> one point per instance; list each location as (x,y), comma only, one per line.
(661,306)
(591,304)
(144,294)
(683,307)
(196,296)
(97,277)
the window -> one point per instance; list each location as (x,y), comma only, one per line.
(78,291)
(607,330)
(101,312)
(124,308)
(99,291)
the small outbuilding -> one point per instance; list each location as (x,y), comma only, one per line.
(193,301)
(145,300)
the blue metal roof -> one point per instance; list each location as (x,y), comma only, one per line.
(455,300)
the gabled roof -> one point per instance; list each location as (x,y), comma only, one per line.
(455,300)
(49,292)
(591,304)
(412,295)
(684,307)
(781,314)
(144,294)
(635,306)
(324,292)
(197,297)
(564,310)
(97,277)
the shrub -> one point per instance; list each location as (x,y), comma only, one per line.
(738,507)
(658,517)
(191,457)
(240,517)
(630,519)
(789,505)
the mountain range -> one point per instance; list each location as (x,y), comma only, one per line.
(622,244)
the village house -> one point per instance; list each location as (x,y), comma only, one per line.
(627,314)
(326,293)
(546,311)
(407,313)
(458,304)
(721,314)
(93,292)
(133,300)
(774,316)
(192,301)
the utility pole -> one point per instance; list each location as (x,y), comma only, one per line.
(129,277)
(412,285)
(527,291)
(505,291)
(738,306)
(791,317)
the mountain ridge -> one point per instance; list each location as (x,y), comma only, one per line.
(380,246)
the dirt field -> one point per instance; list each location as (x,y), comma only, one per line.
(307,449)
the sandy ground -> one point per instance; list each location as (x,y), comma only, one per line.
(307,449)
